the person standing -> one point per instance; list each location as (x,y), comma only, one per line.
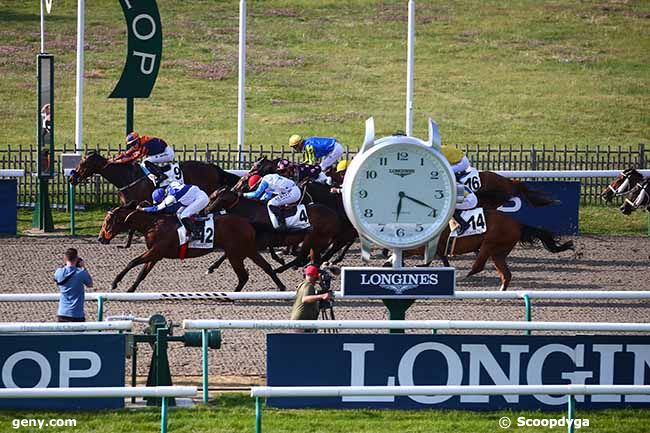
(71,279)
(305,307)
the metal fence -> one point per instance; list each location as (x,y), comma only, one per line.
(98,192)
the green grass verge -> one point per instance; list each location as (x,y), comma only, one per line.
(235,413)
(522,71)
(594,220)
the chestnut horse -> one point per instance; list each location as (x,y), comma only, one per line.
(232,233)
(324,226)
(132,183)
(622,185)
(503,233)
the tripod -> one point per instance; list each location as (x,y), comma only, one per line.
(327,313)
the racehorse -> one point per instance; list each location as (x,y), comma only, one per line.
(622,185)
(232,233)
(503,233)
(638,198)
(133,184)
(324,225)
(316,192)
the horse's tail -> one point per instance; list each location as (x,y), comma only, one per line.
(531,234)
(535,197)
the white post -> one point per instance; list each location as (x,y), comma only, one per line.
(409,68)
(78,129)
(241,99)
(42,28)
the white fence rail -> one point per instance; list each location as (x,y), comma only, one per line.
(415,324)
(23,327)
(100,392)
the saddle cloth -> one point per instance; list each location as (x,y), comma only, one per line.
(295,217)
(172,171)
(203,233)
(475,218)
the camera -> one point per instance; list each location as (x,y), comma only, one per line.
(325,282)
(80,262)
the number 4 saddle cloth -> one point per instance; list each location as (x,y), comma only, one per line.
(295,217)
(202,233)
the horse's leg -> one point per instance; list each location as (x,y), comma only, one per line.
(479,263)
(503,270)
(132,264)
(445,261)
(275,256)
(128,240)
(216,264)
(343,252)
(239,268)
(142,275)
(259,261)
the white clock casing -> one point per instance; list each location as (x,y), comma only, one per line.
(399,191)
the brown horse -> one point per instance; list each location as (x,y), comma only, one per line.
(132,183)
(234,234)
(622,185)
(638,198)
(503,233)
(324,226)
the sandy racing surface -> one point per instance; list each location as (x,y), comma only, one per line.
(602,263)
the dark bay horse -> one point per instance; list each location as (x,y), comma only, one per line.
(503,233)
(324,226)
(638,198)
(232,233)
(622,185)
(132,183)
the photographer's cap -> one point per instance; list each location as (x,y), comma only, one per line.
(312,271)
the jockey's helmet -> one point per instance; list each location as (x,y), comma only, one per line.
(158,195)
(252,181)
(295,140)
(312,271)
(283,164)
(132,138)
(342,165)
(452,154)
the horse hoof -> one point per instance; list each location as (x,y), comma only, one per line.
(208,272)
(113,286)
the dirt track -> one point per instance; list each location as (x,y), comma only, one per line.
(606,263)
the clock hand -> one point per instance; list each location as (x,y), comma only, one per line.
(399,205)
(418,201)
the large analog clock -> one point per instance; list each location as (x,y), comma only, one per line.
(399,192)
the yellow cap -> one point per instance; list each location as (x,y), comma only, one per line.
(452,154)
(295,140)
(342,165)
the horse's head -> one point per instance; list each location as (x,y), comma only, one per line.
(222,199)
(115,222)
(263,166)
(638,198)
(92,163)
(622,185)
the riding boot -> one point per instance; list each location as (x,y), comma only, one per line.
(463,225)
(187,223)
(277,211)
(156,171)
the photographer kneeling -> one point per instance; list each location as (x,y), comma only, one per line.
(306,305)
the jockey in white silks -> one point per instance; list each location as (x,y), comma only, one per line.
(188,200)
(460,165)
(278,190)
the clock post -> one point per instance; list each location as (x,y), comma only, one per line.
(399,192)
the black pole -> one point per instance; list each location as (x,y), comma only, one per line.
(129,116)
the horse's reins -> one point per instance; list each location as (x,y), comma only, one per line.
(641,198)
(623,188)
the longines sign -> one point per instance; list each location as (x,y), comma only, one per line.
(385,359)
(406,283)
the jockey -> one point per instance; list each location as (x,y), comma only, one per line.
(457,159)
(190,200)
(253,181)
(337,178)
(278,190)
(469,202)
(153,150)
(327,149)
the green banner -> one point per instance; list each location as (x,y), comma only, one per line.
(144,50)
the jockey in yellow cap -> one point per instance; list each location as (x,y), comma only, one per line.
(460,164)
(327,149)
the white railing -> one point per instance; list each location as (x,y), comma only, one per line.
(162,392)
(415,324)
(22,327)
(12,172)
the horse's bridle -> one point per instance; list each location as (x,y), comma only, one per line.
(643,199)
(623,188)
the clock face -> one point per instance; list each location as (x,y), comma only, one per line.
(401,195)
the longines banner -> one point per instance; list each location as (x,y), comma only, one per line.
(144,49)
(406,283)
(385,359)
(61,361)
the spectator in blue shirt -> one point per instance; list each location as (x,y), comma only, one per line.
(71,280)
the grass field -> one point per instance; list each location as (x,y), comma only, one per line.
(593,220)
(522,71)
(235,413)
